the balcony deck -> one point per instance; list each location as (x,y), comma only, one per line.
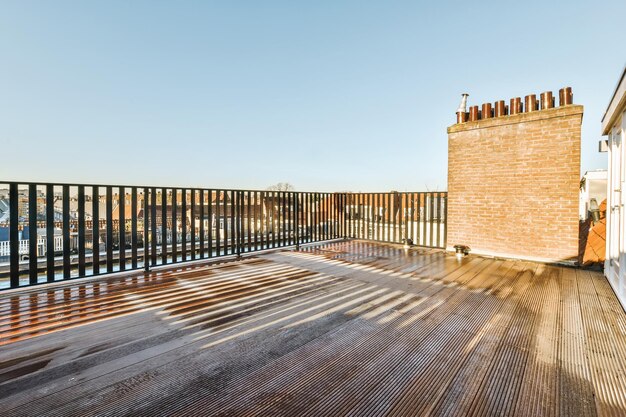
(344,328)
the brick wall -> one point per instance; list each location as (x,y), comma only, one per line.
(513,184)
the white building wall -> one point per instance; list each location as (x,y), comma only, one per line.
(615,264)
(595,186)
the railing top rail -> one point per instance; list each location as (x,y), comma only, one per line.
(72,184)
(177,187)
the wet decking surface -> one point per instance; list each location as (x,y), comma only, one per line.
(348,328)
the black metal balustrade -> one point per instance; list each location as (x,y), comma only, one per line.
(52,232)
(398,217)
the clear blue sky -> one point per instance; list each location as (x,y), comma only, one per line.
(326,95)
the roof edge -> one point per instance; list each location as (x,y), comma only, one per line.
(613,104)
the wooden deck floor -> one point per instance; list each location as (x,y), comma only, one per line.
(348,328)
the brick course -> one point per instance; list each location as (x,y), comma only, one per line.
(513,184)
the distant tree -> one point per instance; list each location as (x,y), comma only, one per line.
(281,186)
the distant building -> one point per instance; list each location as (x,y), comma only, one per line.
(592,187)
(4,210)
(614,127)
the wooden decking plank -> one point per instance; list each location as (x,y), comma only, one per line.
(607,375)
(245,307)
(539,385)
(338,363)
(164,350)
(409,389)
(460,392)
(575,389)
(363,383)
(499,388)
(349,327)
(201,372)
(129,304)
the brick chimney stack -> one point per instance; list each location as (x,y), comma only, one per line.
(513,177)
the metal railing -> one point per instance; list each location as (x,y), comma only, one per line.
(100,229)
(399,217)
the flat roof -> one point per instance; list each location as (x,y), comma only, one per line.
(339,328)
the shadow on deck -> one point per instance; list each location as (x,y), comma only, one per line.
(348,328)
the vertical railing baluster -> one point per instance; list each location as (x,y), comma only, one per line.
(133,227)
(405,216)
(361,222)
(253,220)
(192,226)
(423,222)
(383,216)
(297,217)
(296,220)
(366,215)
(281,218)
(108,214)
(32,234)
(233,228)
(218,222)
(389,211)
(377,216)
(122,228)
(277,218)
(248,203)
(153,226)
(399,217)
(273,217)
(369,208)
(364,219)
(183,224)
(146,223)
(445,221)
(332,213)
(14,238)
(431,218)
(164,224)
(438,219)
(311,217)
(262,219)
(210,222)
(344,208)
(227,207)
(174,214)
(268,219)
(49,233)
(322,209)
(81,231)
(326,215)
(95,229)
(66,232)
(201,225)
(412,219)
(393,204)
(239,222)
(418,219)
(316,216)
(284,236)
